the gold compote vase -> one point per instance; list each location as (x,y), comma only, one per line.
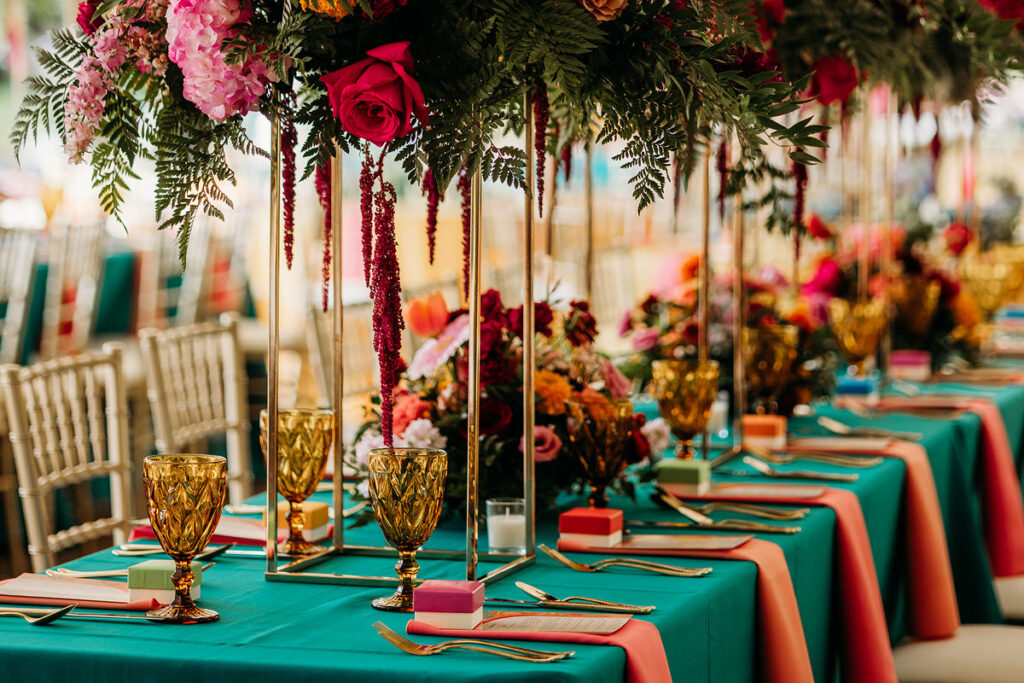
(184,496)
(407,493)
(857,328)
(769,352)
(599,431)
(685,390)
(304,438)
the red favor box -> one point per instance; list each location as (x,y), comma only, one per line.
(591,521)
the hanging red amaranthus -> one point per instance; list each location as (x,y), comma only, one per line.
(567,160)
(434,197)
(540,132)
(386,290)
(323,193)
(289,138)
(366,211)
(800,176)
(722,165)
(463,187)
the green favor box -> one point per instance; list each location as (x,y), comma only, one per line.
(156,574)
(685,477)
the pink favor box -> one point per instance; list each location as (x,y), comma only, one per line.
(448,597)
(911,365)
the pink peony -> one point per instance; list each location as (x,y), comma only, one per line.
(645,339)
(376,98)
(196,30)
(546,444)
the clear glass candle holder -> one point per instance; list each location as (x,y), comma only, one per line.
(506,525)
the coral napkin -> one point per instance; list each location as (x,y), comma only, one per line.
(867,655)
(232,529)
(1002,505)
(645,653)
(39,589)
(784,656)
(933,607)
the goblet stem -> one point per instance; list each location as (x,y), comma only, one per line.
(296,545)
(401,601)
(182,580)
(598,497)
(684,449)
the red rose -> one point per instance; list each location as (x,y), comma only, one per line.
(376,97)
(957,237)
(1005,9)
(773,13)
(834,80)
(817,228)
(495,416)
(542,319)
(491,306)
(86,16)
(580,324)
(640,447)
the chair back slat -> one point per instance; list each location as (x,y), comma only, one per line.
(75,258)
(358,362)
(196,385)
(68,424)
(17,273)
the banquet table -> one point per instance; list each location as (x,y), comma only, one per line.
(270,630)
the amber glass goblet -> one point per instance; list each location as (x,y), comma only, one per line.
(768,354)
(185,496)
(599,431)
(685,390)
(407,492)
(917,300)
(304,438)
(857,328)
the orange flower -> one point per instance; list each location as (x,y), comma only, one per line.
(800,315)
(604,10)
(331,8)
(553,390)
(965,310)
(691,268)
(598,405)
(427,316)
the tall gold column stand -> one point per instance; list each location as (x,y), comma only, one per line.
(274,342)
(704,284)
(588,221)
(529,331)
(473,399)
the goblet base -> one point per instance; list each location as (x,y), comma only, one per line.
(183,614)
(299,548)
(399,602)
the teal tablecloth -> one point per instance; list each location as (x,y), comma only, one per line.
(273,631)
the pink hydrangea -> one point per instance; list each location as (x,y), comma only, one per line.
(196,30)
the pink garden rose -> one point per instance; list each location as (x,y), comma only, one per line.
(408,407)
(376,98)
(614,381)
(546,444)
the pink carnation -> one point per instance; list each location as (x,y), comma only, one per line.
(196,30)
(87,93)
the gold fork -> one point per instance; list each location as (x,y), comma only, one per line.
(763,511)
(521,654)
(634,563)
(828,458)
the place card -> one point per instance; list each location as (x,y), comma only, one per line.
(682,542)
(562,622)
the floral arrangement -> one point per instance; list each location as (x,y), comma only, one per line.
(667,326)
(932,311)
(430,406)
(433,85)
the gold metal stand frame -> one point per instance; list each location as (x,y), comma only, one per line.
(299,570)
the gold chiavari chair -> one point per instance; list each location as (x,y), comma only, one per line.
(17,271)
(197,389)
(357,357)
(75,258)
(68,426)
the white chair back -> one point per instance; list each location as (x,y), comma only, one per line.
(75,257)
(358,361)
(169,295)
(68,423)
(196,383)
(17,271)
